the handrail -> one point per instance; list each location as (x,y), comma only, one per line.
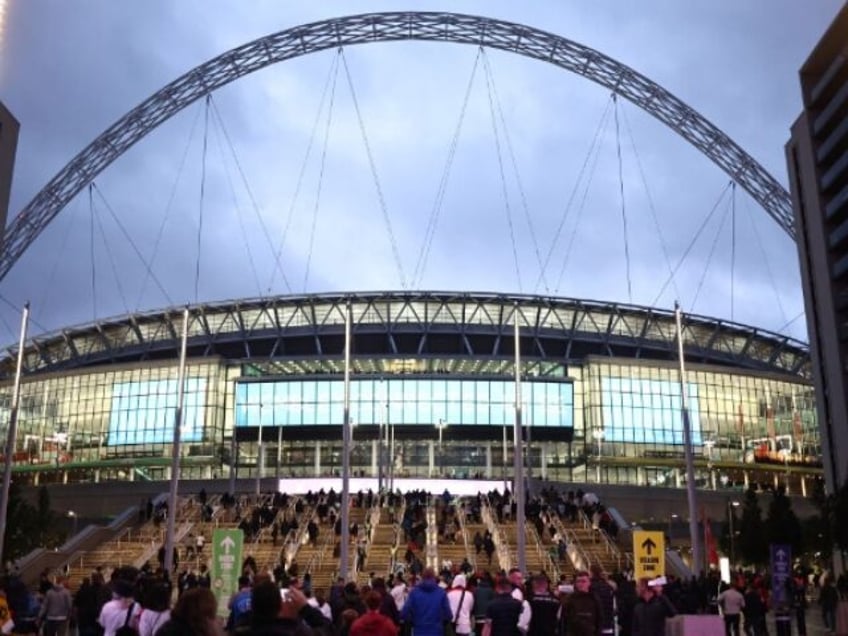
(579,558)
(472,557)
(545,556)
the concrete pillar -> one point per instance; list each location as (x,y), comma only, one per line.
(544,460)
(374,451)
(745,479)
(431,455)
(678,482)
(488,460)
(317,459)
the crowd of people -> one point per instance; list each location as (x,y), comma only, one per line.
(462,599)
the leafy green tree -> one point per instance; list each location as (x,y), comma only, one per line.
(782,524)
(750,547)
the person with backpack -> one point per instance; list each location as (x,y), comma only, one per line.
(122,612)
(462,604)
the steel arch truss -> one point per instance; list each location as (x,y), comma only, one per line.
(377,27)
(305,334)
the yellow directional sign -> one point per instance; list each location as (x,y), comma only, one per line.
(648,554)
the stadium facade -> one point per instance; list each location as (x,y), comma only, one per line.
(432,393)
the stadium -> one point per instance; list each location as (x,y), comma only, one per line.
(432,394)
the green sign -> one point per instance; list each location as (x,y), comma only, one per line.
(226,565)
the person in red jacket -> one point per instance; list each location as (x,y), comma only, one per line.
(372,622)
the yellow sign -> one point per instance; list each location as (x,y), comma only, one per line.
(648,554)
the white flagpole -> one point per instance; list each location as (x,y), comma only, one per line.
(175,457)
(518,456)
(13,430)
(345,538)
(694,535)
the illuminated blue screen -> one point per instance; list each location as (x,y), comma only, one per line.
(143,412)
(647,411)
(402,401)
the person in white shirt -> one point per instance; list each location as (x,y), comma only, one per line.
(399,592)
(461,604)
(121,610)
(732,603)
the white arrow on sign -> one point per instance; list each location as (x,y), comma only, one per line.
(781,554)
(228,544)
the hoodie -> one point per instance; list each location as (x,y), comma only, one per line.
(427,609)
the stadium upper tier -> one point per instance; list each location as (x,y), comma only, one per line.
(304,335)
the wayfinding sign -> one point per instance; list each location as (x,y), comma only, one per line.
(226,565)
(648,554)
(781,572)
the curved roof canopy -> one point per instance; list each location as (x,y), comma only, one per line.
(411,325)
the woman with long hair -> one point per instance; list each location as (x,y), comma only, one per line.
(193,615)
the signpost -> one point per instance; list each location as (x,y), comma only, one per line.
(781,572)
(226,565)
(648,554)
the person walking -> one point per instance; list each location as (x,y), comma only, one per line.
(372,622)
(604,590)
(461,605)
(427,608)
(506,615)
(544,607)
(56,609)
(582,610)
(731,603)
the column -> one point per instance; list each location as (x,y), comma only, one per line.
(317,459)
(374,451)
(544,459)
(488,460)
(431,454)
(745,479)
(678,482)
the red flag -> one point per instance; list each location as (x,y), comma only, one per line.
(710,543)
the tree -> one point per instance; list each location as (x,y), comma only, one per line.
(782,524)
(750,548)
(29,527)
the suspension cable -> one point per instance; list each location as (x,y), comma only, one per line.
(320,186)
(621,196)
(710,255)
(789,323)
(132,243)
(216,132)
(651,206)
(168,206)
(332,73)
(691,244)
(202,199)
(504,189)
(70,215)
(373,166)
(91,251)
(519,184)
(567,209)
(111,258)
(435,211)
(592,161)
(766,262)
(732,245)
(17,309)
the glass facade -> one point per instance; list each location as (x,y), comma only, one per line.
(620,419)
(468,402)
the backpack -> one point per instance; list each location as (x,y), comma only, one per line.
(127,629)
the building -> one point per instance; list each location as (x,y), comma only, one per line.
(9,129)
(817,156)
(432,393)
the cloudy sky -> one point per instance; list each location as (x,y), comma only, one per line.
(281,160)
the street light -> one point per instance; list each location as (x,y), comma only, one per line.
(731,515)
(73,515)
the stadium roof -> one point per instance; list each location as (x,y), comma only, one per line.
(423,326)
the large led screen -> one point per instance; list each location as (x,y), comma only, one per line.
(643,411)
(143,412)
(402,401)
